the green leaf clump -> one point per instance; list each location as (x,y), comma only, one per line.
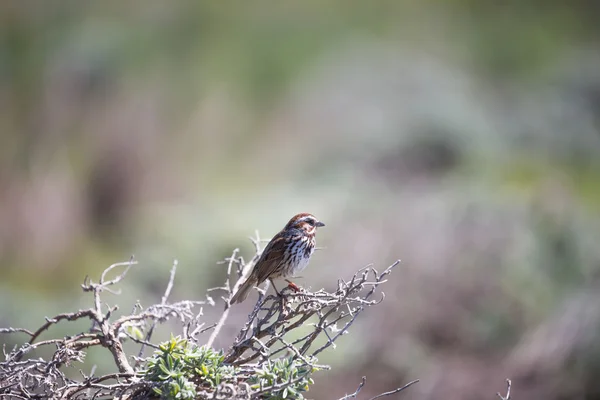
(179,368)
(288,377)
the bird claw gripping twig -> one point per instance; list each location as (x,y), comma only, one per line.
(293,286)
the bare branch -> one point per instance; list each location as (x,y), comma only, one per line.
(15,330)
(67,316)
(266,338)
(162,302)
(357,391)
(273,316)
(39,378)
(507,397)
(391,392)
(364,381)
(245,271)
(227,287)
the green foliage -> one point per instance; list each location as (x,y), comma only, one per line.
(281,372)
(179,368)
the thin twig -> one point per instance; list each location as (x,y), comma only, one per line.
(507,397)
(162,302)
(245,272)
(66,316)
(391,392)
(358,389)
(15,330)
(225,314)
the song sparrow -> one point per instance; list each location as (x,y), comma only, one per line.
(286,254)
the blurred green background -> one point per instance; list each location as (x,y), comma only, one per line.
(462,137)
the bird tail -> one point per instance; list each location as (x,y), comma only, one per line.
(243,291)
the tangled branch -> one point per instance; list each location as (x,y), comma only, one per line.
(267,358)
(274,317)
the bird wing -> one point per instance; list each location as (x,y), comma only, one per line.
(272,257)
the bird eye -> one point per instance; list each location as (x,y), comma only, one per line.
(311,222)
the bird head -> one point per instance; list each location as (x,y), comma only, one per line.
(306,222)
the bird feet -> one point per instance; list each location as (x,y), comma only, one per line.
(293,286)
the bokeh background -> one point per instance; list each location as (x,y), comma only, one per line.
(462,137)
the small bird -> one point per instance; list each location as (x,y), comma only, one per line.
(287,254)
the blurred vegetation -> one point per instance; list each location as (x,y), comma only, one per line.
(461,136)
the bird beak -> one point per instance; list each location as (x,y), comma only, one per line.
(320,224)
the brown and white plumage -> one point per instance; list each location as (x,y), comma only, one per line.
(287,254)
